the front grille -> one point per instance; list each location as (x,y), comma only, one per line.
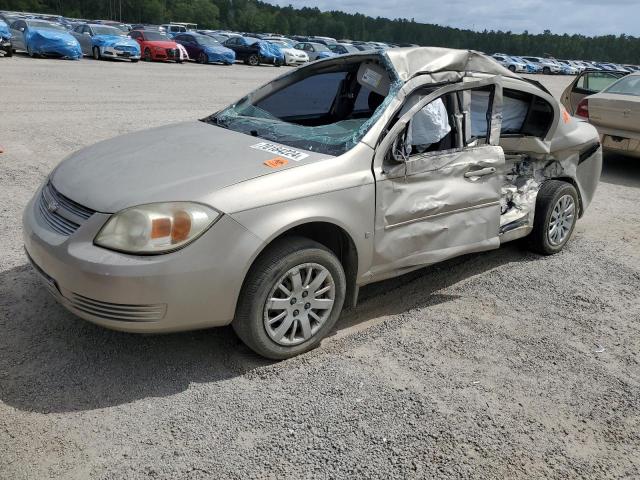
(116,311)
(61,214)
(125,48)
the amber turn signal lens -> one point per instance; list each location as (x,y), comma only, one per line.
(160,227)
(181,227)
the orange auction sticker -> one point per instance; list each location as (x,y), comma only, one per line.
(276,162)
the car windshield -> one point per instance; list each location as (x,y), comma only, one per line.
(626,86)
(313,113)
(104,30)
(46,26)
(155,36)
(207,41)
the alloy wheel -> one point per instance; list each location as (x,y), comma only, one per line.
(299,304)
(562,218)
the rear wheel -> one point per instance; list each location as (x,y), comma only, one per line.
(8,52)
(147,55)
(546,71)
(96,53)
(555,217)
(202,58)
(512,68)
(292,297)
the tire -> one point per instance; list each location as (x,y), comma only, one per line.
(253,60)
(147,55)
(134,60)
(259,327)
(512,68)
(556,204)
(96,53)
(8,52)
(278,63)
(546,71)
(202,58)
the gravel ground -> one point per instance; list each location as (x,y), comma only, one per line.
(498,365)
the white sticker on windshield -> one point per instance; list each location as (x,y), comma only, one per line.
(371,78)
(285,152)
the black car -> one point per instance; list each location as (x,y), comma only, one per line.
(252,51)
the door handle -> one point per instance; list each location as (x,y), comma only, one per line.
(480,173)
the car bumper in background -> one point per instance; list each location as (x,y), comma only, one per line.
(196,287)
(113,52)
(621,144)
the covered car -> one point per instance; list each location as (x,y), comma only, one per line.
(292,56)
(43,38)
(271,213)
(103,42)
(546,65)
(205,49)
(5,39)
(254,51)
(614,111)
(155,45)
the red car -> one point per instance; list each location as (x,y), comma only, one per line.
(157,46)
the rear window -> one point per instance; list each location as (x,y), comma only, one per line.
(626,86)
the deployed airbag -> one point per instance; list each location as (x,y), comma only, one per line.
(429,125)
(514,112)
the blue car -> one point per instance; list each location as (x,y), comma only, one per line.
(43,38)
(5,39)
(205,49)
(103,41)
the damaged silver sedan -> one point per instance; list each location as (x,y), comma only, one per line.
(270,214)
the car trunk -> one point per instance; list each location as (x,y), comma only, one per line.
(615,111)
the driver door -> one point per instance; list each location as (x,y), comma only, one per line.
(443,201)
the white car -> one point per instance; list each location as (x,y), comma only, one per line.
(510,63)
(292,56)
(547,65)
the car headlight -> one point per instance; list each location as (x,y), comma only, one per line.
(156,227)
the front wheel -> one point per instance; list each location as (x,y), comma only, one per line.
(253,60)
(96,53)
(147,55)
(512,68)
(546,71)
(202,58)
(291,298)
(555,217)
(8,52)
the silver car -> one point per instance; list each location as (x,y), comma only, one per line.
(270,214)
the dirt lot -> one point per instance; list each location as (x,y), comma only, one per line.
(497,365)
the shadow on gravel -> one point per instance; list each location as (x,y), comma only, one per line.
(51,361)
(621,170)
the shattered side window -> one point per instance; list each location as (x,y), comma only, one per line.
(326,112)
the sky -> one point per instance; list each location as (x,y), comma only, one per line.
(587,17)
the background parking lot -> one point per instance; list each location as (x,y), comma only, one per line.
(492,365)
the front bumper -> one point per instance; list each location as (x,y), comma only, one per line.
(196,287)
(113,52)
(291,60)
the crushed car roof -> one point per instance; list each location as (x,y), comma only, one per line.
(411,61)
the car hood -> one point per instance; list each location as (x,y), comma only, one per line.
(161,43)
(186,161)
(111,40)
(52,35)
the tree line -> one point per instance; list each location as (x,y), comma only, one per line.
(256,16)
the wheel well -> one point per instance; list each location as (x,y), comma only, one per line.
(573,182)
(340,243)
